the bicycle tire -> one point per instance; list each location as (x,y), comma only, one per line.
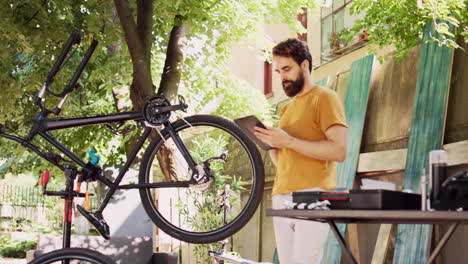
(253,177)
(74,256)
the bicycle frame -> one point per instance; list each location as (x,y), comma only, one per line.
(42,125)
(89,171)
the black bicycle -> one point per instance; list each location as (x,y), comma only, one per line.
(195,173)
(73,256)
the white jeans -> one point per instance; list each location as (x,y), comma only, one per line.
(298,241)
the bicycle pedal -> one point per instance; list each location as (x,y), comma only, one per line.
(97,221)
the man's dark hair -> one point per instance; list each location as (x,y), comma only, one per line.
(294,48)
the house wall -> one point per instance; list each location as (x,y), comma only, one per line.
(247,64)
(387,126)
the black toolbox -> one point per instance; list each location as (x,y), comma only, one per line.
(363,199)
(384,200)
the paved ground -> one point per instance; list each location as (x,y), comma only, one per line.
(12,261)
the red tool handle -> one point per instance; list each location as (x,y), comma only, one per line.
(45,177)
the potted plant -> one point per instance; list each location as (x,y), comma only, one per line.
(336,39)
(363,35)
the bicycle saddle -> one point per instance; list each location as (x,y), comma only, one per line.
(97,220)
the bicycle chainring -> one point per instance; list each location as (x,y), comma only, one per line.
(152,112)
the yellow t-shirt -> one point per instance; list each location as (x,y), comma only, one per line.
(307,117)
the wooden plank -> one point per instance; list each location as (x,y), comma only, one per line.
(382,244)
(355,102)
(382,160)
(341,83)
(248,240)
(353,241)
(437,235)
(267,248)
(395,159)
(456,127)
(457,153)
(427,130)
(391,100)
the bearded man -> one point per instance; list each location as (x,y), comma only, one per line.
(310,138)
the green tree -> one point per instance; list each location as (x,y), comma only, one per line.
(400,22)
(141,53)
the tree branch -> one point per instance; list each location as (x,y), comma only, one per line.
(142,86)
(145,24)
(171,73)
(128,24)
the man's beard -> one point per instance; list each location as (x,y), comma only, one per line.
(294,87)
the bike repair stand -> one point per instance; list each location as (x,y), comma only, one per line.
(68,195)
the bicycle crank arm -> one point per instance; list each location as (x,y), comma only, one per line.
(170,108)
(155,185)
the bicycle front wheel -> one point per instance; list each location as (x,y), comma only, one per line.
(215,207)
(73,256)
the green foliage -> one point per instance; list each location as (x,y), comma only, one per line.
(11,248)
(337,38)
(33,33)
(204,204)
(401,22)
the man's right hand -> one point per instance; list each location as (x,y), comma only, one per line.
(274,137)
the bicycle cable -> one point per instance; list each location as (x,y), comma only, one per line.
(183,118)
(56,156)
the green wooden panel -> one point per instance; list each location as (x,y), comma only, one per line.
(275,257)
(426,134)
(355,106)
(357,94)
(323,82)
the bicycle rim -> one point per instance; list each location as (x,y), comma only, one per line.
(203,213)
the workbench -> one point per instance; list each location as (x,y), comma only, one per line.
(379,217)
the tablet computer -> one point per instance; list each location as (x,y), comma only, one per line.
(247,125)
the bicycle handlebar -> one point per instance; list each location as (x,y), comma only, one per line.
(80,68)
(64,94)
(74,38)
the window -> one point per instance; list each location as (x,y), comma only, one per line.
(335,20)
(267,80)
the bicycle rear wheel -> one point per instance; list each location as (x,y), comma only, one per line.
(208,211)
(73,256)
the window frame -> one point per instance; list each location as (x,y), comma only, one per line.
(333,12)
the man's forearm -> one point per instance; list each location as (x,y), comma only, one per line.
(322,150)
